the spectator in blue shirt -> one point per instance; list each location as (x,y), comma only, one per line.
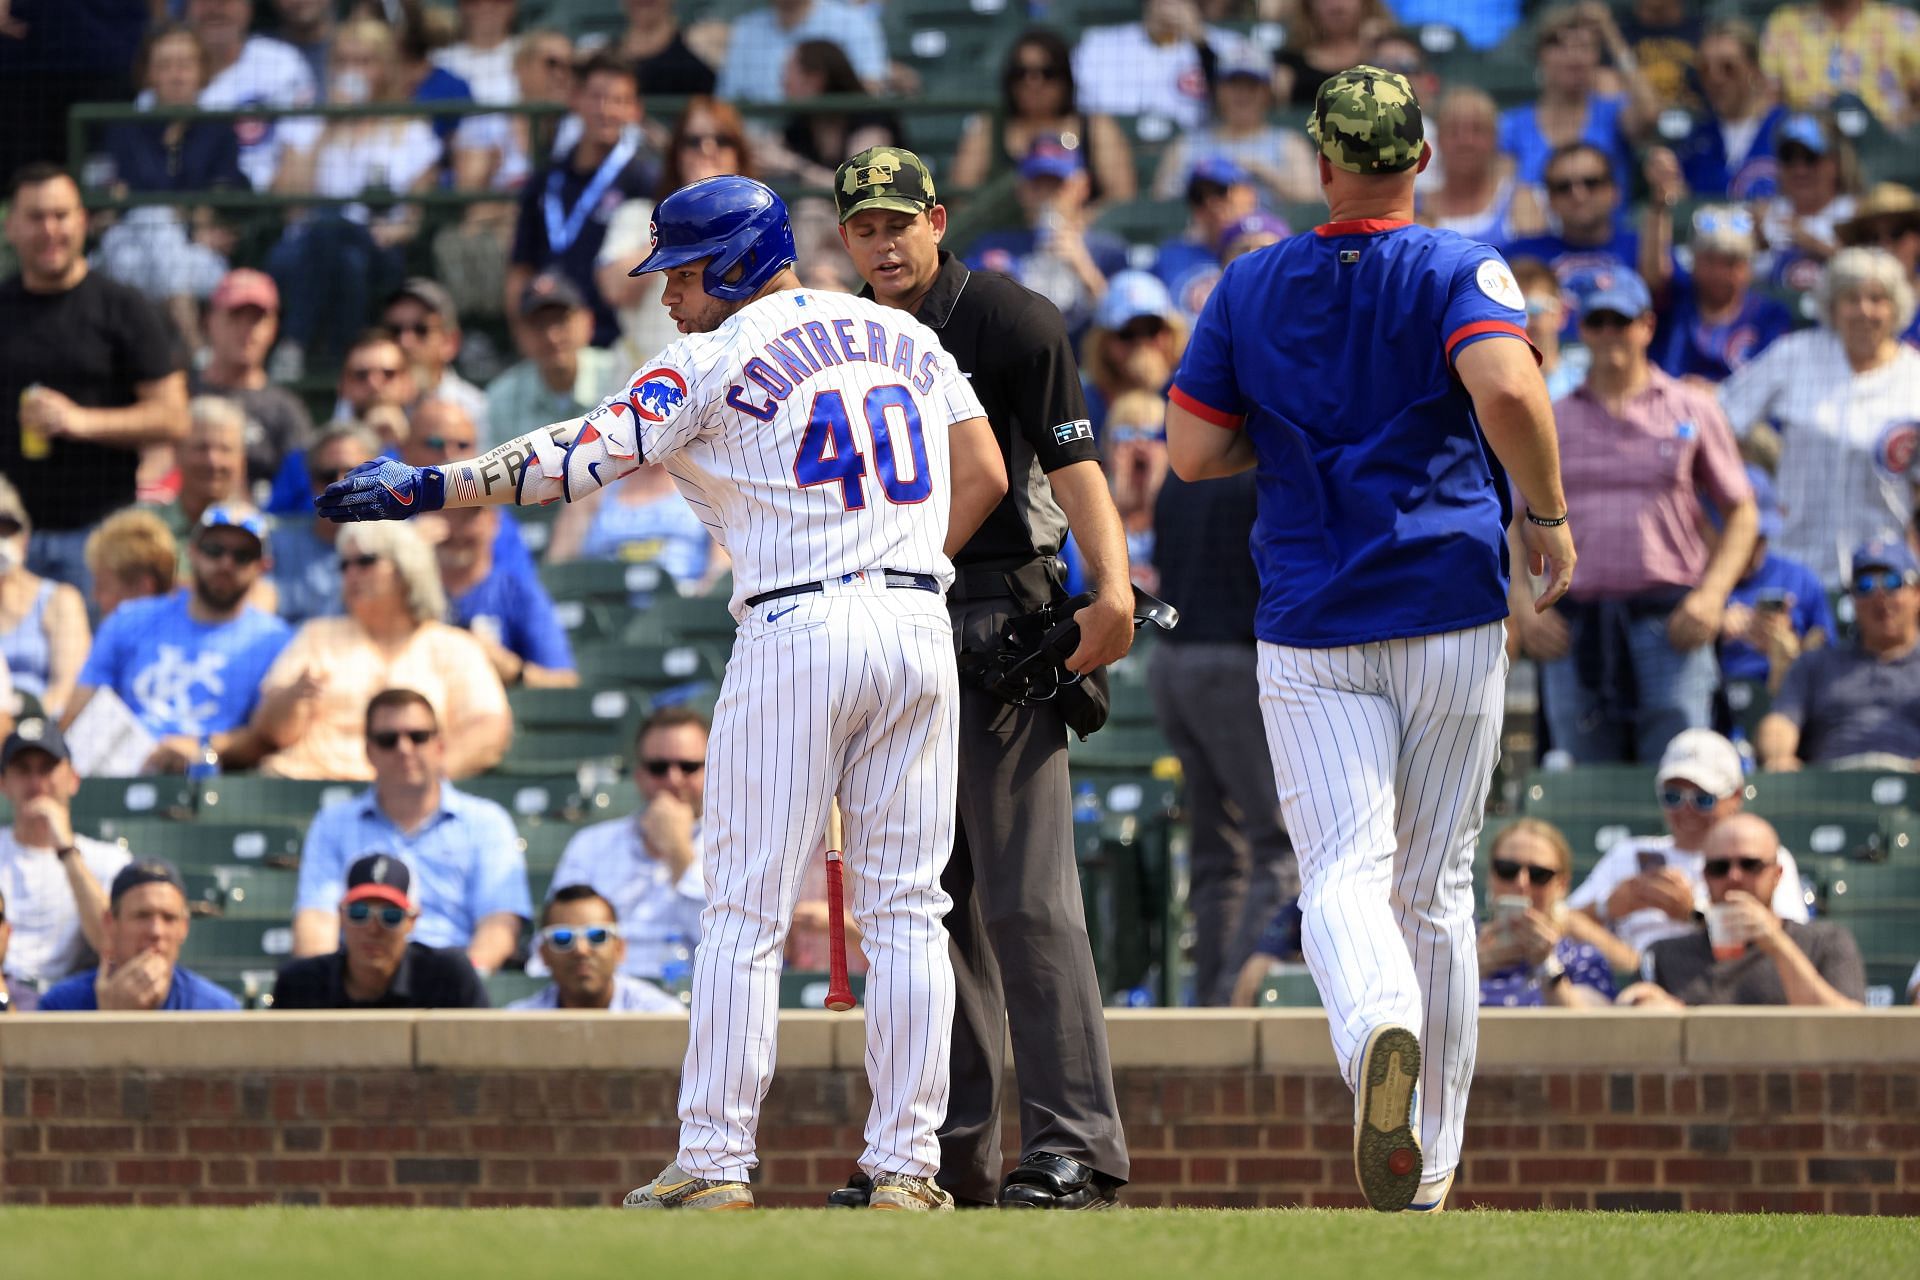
(306,565)
(1777,611)
(464,852)
(189,665)
(505,608)
(1711,320)
(1530,954)
(1728,153)
(146,925)
(1219,194)
(758,45)
(1574,106)
(1584,197)
(1056,254)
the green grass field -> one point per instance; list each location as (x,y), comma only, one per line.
(530,1244)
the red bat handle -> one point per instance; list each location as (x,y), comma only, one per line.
(839,990)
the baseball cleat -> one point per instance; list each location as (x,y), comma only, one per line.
(1386,1150)
(675,1188)
(1432,1196)
(1044,1180)
(903,1191)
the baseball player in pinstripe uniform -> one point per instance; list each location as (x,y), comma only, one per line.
(1376,377)
(834,449)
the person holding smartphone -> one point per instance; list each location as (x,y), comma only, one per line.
(1531,951)
(1777,611)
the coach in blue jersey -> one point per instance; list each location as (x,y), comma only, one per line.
(1377,379)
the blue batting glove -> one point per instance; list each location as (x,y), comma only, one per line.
(383,490)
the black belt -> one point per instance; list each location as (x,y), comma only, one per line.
(1029,583)
(895,578)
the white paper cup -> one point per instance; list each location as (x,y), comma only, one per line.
(1729,942)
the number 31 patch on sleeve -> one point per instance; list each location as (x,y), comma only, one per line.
(1498,283)
(1068,432)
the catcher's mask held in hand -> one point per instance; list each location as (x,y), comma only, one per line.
(1027,666)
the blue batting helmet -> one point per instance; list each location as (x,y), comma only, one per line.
(732,220)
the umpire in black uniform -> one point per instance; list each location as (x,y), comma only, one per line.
(1020,953)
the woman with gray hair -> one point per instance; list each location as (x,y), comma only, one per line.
(1846,399)
(313,702)
(43,624)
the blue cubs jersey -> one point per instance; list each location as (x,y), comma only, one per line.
(180,676)
(1382,512)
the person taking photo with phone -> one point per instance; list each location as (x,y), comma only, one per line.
(1530,955)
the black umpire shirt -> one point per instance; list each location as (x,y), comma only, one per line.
(1012,345)
(428,978)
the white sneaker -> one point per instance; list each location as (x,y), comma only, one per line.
(1386,1148)
(1432,1196)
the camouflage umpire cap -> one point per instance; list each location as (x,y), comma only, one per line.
(1367,120)
(883,178)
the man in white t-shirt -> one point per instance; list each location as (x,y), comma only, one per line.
(50,877)
(1152,67)
(248,70)
(1647,888)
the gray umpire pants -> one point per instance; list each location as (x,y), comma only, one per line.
(1021,959)
(1206,698)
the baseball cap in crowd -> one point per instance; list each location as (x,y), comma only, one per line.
(1131,294)
(1723,228)
(1705,759)
(1617,290)
(1885,553)
(430,294)
(1052,156)
(35,733)
(1211,176)
(245,287)
(1801,129)
(1259,223)
(382,877)
(549,289)
(1245,62)
(144,871)
(883,178)
(234,515)
(1367,120)
(1767,500)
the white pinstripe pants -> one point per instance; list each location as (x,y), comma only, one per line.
(1383,754)
(852,692)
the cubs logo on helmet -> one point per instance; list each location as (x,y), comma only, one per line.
(657,393)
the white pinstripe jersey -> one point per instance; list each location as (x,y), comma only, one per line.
(810,433)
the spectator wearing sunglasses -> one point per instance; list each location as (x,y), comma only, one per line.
(580,944)
(314,701)
(1857,704)
(306,564)
(189,665)
(1743,953)
(1584,199)
(145,926)
(647,864)
(1843,399)
(1888,218)
(1038,99)
(1135,344)
(374,388)
(563,375)
(423,320)
(213,472)
(1711,320)
(1279,158)
(378,963)
(1646,888)
(464,850)
(1637,449)
(1056,251)
(1530,952)
(1134,451)
(1819,185)
(442,431)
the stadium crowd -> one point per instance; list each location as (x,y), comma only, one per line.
(206,319)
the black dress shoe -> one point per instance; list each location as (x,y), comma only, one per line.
(1047,1181)
(854,1195)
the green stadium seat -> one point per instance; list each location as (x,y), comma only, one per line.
(220,947)
(1290,986)
(622,665)
(202,845)
(256,893)
(582,708)
(545,842)
(595,619)
(106,799)
(1132,706)
(1886,930)
(807,988)
(1621,792)
(1833,791)
(1128,746)
(687,619)
(529,798)
(1833,833)
(545,752)
(1845,885)
(1143,220)
(606,581)
(241,797)
(504,986)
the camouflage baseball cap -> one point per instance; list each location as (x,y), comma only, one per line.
(1367,120)
(883,178)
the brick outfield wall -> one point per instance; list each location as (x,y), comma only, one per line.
(447,1110)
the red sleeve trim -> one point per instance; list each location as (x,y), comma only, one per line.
(1478,328)
(1206,412)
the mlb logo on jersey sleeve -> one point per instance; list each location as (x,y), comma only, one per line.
(657,394)
(1068,432)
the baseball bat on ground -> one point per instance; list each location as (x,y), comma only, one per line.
(839,990)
